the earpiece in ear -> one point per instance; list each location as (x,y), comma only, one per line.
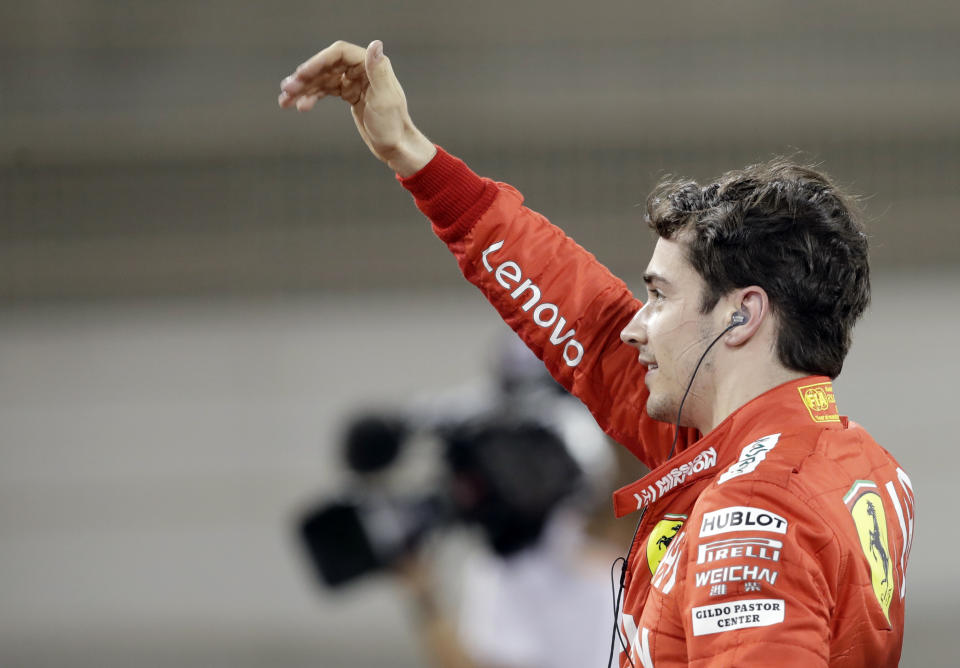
(739,318)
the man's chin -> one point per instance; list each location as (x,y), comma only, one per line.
(661,410)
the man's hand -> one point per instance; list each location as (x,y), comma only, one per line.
(365,79)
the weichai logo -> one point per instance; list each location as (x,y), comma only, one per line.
(546,315)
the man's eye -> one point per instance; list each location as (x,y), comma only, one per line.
(656,295)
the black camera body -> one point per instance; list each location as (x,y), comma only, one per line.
(503,474)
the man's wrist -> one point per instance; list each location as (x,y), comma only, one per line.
(413,153)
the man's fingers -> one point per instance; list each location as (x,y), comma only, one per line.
(292,85)
(373,55)
(342,69)
(351,89)
(337,70)
(378,68)
(306,102)
(326,80)
(339,53)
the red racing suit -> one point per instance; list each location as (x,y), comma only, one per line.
(780,538)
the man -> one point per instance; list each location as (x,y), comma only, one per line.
(773,531)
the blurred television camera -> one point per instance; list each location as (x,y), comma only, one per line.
(507,457)
(502,476)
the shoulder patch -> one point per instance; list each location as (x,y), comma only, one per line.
(750,457)
(820,402)
(660,538)
(746,613)
(866,507)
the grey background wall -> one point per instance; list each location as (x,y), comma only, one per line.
(141,151)
(195,285)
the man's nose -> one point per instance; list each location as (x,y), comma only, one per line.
(635,333)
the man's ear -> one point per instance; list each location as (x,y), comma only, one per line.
(751,307)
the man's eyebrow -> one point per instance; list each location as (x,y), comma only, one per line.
(650,277)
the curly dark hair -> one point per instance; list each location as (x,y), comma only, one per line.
(788,229)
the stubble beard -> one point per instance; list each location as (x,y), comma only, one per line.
(665,404)
(663,407)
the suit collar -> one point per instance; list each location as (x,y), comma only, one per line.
(797,403)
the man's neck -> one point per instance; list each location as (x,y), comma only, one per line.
(741,385)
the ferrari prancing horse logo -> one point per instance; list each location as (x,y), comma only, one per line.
(660,539)
(866,508)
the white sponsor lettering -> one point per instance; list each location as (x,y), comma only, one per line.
(645,659)
(508,274)
(574,359)
(508,271)
(545,320)
(750,457)
(739,548)
(628,629)
(637,641)
(534,291)
(645,496)
(556,338)
(743,614)
(741,518)
(739,573)
(493,248)
(676,476)
(906,526)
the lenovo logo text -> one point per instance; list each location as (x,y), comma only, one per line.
(509,274)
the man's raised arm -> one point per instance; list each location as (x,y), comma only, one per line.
(565,305)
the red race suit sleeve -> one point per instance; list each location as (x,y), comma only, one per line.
(566,306)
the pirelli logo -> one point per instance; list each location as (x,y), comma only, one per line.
(739,548)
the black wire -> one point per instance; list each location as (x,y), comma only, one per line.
(676,437)
(616,604)
(619,594)
(623,575)
(676,430)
